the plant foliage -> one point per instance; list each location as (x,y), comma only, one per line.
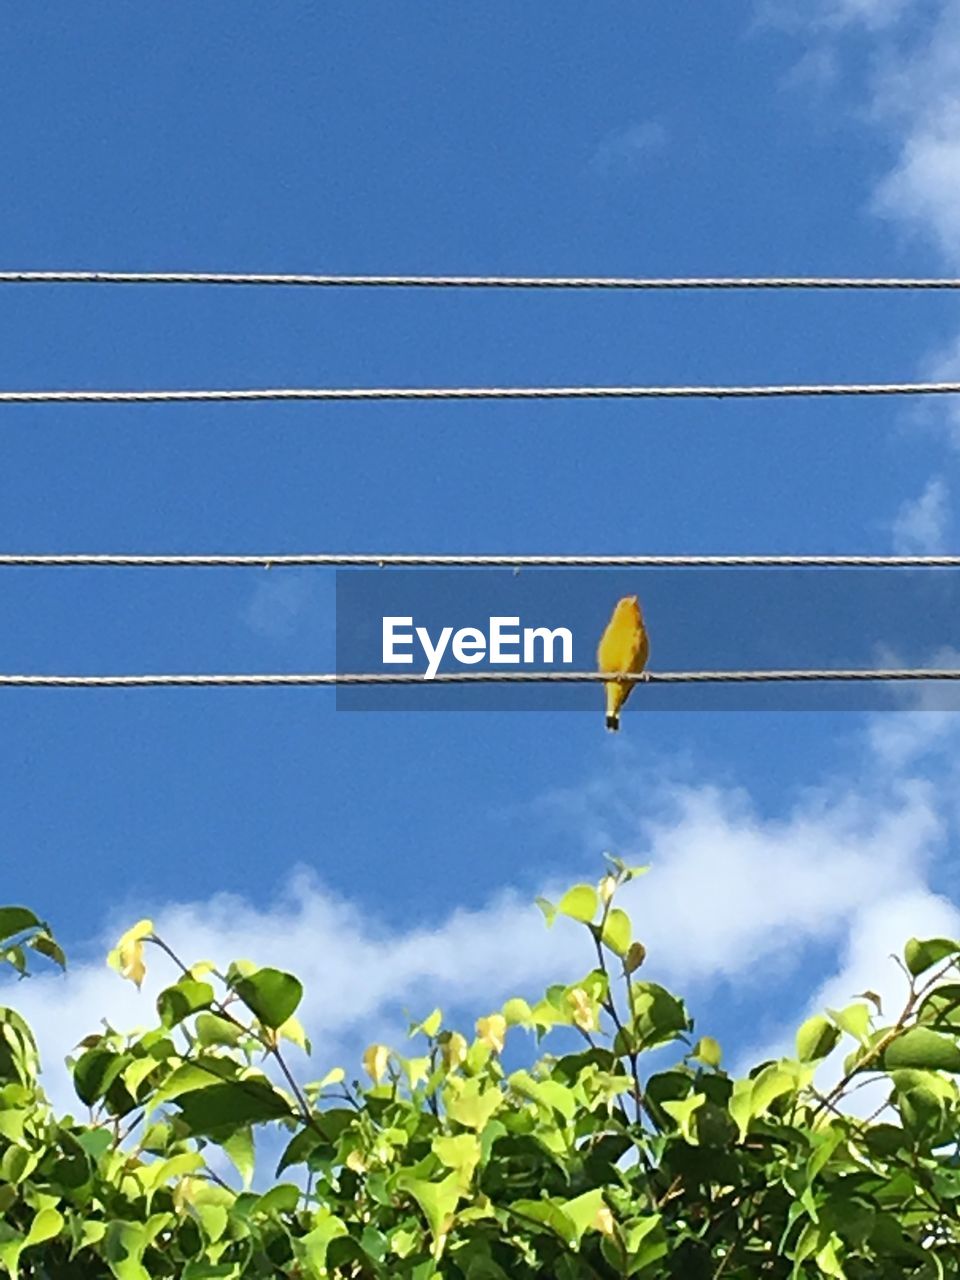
(584,1163)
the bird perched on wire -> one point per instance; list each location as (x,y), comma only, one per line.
(624,647)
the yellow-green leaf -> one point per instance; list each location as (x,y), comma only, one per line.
(579,903)
(472,1104)
(375,1061)
(921,955)
(816,1038)
(683,1110)
(708,1051)
(854,1019)
(127,957)
(617,931)
(516,1013)
(492,1031)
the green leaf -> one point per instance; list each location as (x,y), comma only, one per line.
(636,1233)
(14,920)
(95,1072)
(855,1020)
(18,1163)
(941,1005)
(708,1051)
(683,1112)
(752,1098)
(182,999)
(437,1200)
(212,1029)
(659,1016)
(548,909)
(200,1269)
(86,1234)
(17,957)
(239,1147)
(922,1104)
(474,1103)
(920,956)
(199,1073)
(828,1261)
(221,1107)
(517,1013)
(461,1153)
(46,946)
(124,1246)
(549,1094)
(922,1049)
(299,1149)
(311,1249)
(617,931)
(270,995)
(625,872)
(429,1026)
(579,903)
(213,1218)
(293,1031)
(816,1038)
(771,1083)
(582,1211)
(283,1198)
(885,1140)
(548,1214)
(336,1075)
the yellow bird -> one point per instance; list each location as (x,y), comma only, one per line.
(624,647)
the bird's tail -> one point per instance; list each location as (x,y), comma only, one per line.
(613,723)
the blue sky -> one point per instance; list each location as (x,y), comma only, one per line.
(365,137)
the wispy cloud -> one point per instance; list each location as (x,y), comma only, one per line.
(922,188)
(922,523)
(912,93)
(733,894)
(834,15)
(874,14)
(877,932)
(627,150)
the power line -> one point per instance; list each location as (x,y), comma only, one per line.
(477,282)
(478,677)
(341,560)
(480,393)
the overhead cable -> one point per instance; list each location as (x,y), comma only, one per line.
(343,560)
(206,395)
(479,677)
(479,282)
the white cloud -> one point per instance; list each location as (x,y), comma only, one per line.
(873,14)
(733,891)
(913,94)
(627,149)
(834,15)
(923,187)
(922,523)
(358,974)
(911,91)
(877,933)
(902,739)
(880,931)
(732,894)
(944,366)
